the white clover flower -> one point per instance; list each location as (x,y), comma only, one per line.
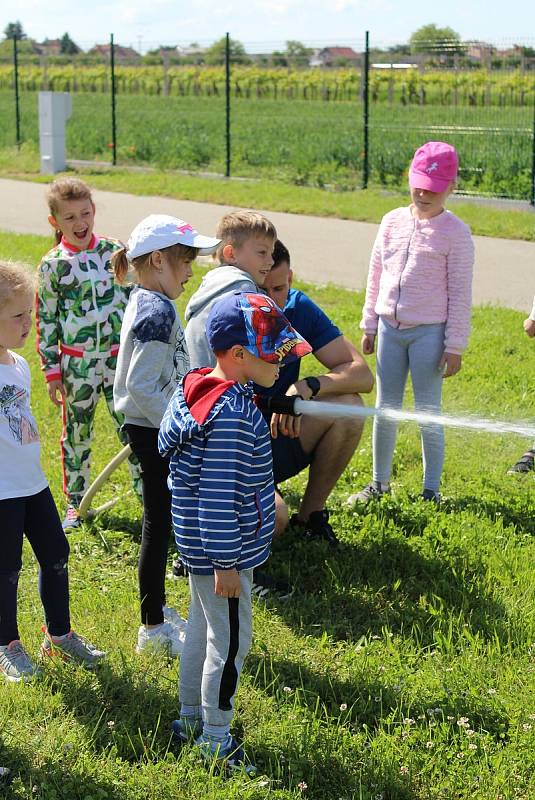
(404,770)
(343,706)
(288,689)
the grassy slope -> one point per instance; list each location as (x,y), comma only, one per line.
(360,685)
(365,206)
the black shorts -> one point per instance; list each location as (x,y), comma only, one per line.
(289,458)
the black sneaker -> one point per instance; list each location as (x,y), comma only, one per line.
(524,464)
(266,587)
(372,491)
(317,526)
(178,569)
(430,496)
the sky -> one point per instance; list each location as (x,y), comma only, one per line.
(264,25)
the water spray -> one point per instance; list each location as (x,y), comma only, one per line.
(296,406)
(316,408)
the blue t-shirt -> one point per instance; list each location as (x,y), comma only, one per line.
(311,322)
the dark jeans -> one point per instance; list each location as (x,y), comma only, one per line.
(157,525)
(37,517)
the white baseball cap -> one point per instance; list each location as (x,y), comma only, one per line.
(158,231)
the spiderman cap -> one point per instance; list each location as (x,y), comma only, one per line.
(257,323)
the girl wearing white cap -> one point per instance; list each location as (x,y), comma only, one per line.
(152,360)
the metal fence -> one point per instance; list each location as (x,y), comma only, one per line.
(351,121)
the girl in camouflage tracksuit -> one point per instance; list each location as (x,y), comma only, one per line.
(79,313)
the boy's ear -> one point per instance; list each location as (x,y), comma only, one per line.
(237,352)
(52,220)
(228,253)
(290,276)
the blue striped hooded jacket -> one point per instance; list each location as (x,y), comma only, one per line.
(221,480)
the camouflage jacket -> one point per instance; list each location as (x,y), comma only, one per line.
(79,305)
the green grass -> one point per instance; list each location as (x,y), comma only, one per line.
(270,195)
(402,668)
(302,142)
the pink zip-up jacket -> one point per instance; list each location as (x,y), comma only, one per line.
(420,274)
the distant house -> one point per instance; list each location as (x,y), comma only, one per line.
(511,52)
(479,51)
(331,56)
(50,47)
(125,55)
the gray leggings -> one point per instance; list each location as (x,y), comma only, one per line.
(218,638)
(419,350)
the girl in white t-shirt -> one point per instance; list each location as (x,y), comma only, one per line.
(26,503)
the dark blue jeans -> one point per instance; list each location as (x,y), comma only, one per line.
(37,517)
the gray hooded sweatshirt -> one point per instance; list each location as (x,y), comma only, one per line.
(215,284)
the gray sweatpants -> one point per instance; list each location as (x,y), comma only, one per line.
(218,637)
(419,350)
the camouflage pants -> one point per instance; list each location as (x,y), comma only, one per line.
(84,379)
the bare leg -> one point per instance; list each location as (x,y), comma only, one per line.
(333,442)
(281,515)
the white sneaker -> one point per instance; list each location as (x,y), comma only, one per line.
(171,615)
(164,638)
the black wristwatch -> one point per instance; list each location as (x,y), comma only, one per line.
(313,384)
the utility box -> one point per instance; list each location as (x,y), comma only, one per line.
(55,109)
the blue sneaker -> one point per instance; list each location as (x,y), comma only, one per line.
(229,755)
(186,729)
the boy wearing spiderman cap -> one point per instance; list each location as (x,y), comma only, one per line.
(223,507)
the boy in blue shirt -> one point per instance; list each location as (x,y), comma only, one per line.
(223,507)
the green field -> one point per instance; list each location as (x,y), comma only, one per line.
(311,143)
(403,668)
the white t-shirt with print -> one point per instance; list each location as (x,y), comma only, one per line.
(21,474)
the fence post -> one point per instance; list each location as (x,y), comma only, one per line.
(366,98)
(227,99)
(16,82)
(113,117)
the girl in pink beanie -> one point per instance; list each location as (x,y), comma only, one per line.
(418,300)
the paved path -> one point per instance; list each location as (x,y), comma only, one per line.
(323,249)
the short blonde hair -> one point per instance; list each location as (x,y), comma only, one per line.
(238,226)
(15,279)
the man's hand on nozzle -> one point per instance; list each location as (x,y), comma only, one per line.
(280,404)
